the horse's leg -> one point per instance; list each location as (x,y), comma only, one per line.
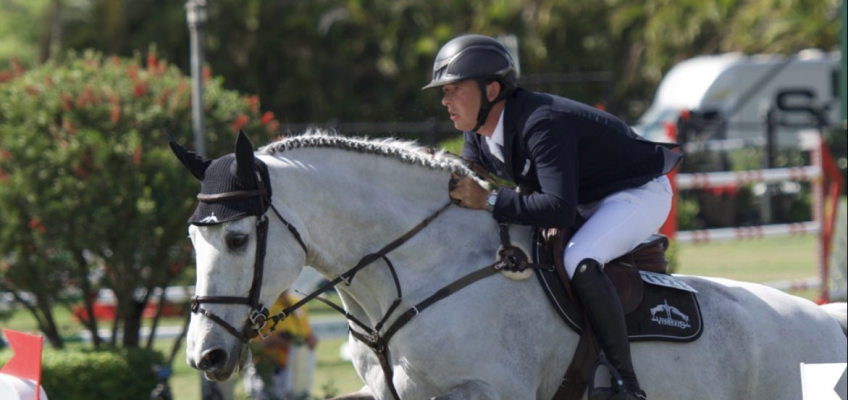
(471,390)
(363,394)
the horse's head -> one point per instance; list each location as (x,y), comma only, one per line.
(229,230)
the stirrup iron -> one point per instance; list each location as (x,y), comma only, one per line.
(617,391)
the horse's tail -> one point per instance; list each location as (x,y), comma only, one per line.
(839,312)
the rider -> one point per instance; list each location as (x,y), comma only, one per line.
(567,158)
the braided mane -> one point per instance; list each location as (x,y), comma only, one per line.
(404,151)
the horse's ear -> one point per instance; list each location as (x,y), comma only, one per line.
(195,163)
(244,158)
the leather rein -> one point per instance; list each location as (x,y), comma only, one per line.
(510,258)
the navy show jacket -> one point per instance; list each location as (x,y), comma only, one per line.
(567,153)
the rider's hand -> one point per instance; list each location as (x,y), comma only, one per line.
(468,193)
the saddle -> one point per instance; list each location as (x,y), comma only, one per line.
(657,306)
(623,271)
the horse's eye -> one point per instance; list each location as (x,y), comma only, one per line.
(236,241)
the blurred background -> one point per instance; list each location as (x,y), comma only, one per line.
(93,251)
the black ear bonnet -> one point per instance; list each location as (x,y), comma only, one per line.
(231,187)
(222,177)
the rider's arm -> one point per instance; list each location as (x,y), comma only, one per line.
(554,154)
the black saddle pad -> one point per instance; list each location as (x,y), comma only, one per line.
(668,311)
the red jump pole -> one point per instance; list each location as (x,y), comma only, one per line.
(669,228)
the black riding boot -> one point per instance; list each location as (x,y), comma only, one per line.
(606,317)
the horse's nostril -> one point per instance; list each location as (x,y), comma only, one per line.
(212,359)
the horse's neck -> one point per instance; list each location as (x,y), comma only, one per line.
(351,205)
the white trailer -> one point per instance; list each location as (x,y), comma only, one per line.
(737,90)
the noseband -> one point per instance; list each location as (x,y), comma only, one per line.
(257,313)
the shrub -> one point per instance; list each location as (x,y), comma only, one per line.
(88,184)
(124,374)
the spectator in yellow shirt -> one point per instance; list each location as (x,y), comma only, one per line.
(271,376)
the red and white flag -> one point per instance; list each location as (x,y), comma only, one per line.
(26,362)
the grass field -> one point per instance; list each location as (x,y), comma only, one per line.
(756,261)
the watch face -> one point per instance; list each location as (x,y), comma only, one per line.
(492,199)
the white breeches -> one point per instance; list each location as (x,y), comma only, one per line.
(619,223)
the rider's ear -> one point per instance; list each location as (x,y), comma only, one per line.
(195,163)
(244,158)
(493,89)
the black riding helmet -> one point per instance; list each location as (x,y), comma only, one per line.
(477,57)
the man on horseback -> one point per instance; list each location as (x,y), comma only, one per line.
(568,159)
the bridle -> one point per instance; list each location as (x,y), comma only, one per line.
(510,258)
(257,313)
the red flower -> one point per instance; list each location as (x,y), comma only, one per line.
(32,91)
(67,102)
(86,98)
(5,155)
(267,117)
(116,113)
(151,60)
(6,76)
(133,72)
(69,126)
(252,103)
(140,89)
(240,122)
(115,60)
(36,224)
(163,97)
(4,177)
(273,127)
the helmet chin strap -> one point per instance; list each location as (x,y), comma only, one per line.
(485,104)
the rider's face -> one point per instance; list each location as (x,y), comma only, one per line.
(463,102)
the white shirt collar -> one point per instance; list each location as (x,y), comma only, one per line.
(498,134)
(496,141)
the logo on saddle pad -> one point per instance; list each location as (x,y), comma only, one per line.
(665,314)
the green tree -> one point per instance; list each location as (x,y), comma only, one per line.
(366,60)
(24,30)
(90,194)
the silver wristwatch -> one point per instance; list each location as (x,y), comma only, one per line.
(491,199)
